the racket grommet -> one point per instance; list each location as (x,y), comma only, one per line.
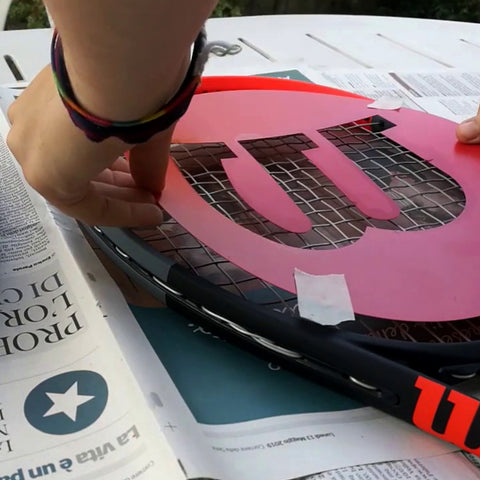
(464,376)
(165,287)
(264,342)
(122,253)
(364,385)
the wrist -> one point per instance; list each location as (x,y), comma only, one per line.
(111,93)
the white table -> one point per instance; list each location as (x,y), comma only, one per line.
(322,42)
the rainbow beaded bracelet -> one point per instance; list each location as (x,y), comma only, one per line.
(133,132)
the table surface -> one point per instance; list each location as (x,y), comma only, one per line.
(322,42)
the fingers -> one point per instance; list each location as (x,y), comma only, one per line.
(469,130)
(111,206)
(149,162)
(11,111)
(134,195)
(85,180)
(121,165)
(114,177)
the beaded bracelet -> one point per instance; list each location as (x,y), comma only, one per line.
(133,132)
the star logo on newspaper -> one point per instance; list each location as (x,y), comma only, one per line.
(67,403)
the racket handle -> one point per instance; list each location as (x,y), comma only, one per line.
(431,405)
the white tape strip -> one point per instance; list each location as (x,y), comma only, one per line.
(323,299)
(387,103)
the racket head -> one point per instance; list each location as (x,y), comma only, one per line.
(156,251)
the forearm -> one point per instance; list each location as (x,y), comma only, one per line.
(127,58)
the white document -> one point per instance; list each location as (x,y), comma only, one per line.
(451,94)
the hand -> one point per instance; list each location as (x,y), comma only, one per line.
(85,180)
(469,130)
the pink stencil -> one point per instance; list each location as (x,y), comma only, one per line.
(259,190)
(366,195)
(430,275)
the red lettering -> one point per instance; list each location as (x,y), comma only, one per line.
(460,420)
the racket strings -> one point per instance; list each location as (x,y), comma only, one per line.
(426,196)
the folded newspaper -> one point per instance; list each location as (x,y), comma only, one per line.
(94,388)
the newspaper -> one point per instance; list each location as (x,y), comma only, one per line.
(451,94)
(70,406)
(181,403)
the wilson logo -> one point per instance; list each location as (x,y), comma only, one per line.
(454,411)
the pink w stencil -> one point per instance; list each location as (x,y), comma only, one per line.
(326,185)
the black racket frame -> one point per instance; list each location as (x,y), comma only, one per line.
(376,371)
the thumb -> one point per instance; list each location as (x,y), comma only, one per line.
(469,131)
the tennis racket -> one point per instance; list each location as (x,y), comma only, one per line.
(408,243)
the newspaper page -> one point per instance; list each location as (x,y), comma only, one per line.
(69,404)
(451,94)
(445,466)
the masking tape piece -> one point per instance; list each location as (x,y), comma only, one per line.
(323,299)
(387,103)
